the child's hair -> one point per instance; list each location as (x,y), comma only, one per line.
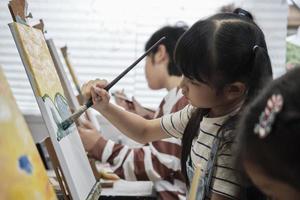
(277,154)
(220,50)
(172,33)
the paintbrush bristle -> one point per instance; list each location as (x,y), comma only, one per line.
(69,121)
(66,124)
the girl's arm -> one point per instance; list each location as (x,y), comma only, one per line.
(132,125)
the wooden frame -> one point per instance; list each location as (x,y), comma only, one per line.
(79,179)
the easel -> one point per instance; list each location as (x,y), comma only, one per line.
(64,51)
(18,10)
(73,102)
(89,115)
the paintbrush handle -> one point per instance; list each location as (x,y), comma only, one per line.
(89,103)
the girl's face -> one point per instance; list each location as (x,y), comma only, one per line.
(200,94)
(276,190)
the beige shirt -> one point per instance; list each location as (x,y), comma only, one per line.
(224,180)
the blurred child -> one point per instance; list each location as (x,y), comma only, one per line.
(269,137)
(157,161)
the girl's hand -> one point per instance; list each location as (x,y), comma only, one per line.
(94,89)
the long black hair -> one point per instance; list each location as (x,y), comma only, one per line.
(278,153)
(220,50)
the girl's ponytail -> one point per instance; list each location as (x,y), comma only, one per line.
(190,132)
(261,72)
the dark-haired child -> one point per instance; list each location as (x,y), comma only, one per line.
(269,139)
(225,64)
(157,161)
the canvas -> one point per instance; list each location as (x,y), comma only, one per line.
(70,95)
(23,175)
(54,108)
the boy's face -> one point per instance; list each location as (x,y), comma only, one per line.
(276,190)
(154,73)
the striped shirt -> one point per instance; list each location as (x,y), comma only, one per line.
(225,179)
(157,161)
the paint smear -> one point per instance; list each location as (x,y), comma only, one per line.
(25,164)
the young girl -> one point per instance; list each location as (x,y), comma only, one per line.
(270,139)
(225,63)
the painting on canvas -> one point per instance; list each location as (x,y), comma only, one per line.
(54,108)
(23,175)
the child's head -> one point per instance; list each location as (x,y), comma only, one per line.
(223,58)
(225,63)
(160,64)
(271,158)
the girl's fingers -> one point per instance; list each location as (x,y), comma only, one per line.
(100,83)
(87,87)
(99,95)
(95,95)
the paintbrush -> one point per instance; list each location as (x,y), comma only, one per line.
(69,121)
(129,101)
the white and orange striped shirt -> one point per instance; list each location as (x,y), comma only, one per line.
(157,161)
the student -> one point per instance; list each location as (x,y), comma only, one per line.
(160,72)
(269,138)
(157,161)
(225,64)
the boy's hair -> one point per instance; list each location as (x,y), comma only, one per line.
(278,153)
(172,34)
(220,50)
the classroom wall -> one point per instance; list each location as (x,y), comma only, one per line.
(103,37)
(106,36)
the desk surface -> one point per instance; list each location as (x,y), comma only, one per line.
(120,189)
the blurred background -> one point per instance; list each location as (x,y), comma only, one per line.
(104,37)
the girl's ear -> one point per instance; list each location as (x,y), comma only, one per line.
(161,54)
(235,90)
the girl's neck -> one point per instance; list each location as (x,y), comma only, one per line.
(226,108)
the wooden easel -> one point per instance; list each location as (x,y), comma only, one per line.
(64,51)
(88,114)
(73,102)
(18,10)
(57,169)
